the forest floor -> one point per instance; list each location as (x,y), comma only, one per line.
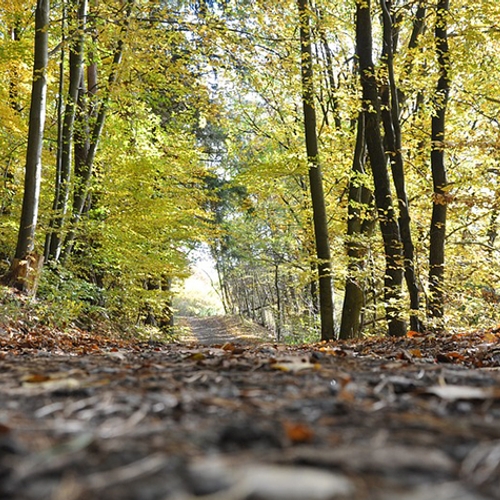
(224,413)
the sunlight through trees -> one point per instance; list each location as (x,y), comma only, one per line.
(338,159)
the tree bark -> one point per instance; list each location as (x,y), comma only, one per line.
(14,76)
(320,220)
(63,177)
(26,263)
(86,164)
(439,177)
(331,105)
(357,225)
(393,142)
(418,24)
(60,122)
(378,162)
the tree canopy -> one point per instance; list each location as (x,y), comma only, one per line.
(171,125)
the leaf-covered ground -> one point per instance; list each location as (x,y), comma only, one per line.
(88,416)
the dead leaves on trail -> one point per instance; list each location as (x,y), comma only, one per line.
(475,349)
(21,338)
(373,419)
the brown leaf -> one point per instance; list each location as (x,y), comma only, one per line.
(35,378)
(298,432)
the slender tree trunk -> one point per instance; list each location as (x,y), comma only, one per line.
(86,164)
(60,121)
(14,77)
(221,277)
(393,140)
(418,23)
(315,177)
(279,304)
(331,105)
(492,232)
(310,245)
(439,178)
(167,320)
(63,178)
(359,200)
(26,264)
(378,162)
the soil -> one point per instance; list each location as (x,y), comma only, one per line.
(215,330)
(225,414)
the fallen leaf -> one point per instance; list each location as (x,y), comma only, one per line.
(229,346)
(298,433)
(294,365)
(411,334)
(455,392)
(58,383)
(449,357)
(271,482)
(35,378)
(416,353)
(196,356)
(491,338)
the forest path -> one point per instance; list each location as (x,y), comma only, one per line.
(86,416)
(218,330)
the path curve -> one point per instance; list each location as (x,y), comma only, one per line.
(218,330)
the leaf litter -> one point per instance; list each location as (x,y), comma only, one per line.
(89,416)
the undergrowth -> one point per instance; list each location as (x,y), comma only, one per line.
(64,301)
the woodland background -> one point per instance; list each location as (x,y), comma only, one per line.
(137,131)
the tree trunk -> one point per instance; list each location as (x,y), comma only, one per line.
(279,304)
(320,220)
(26,264)
(86,164)
(359,200)
(378,161)
(14,76)
(331,105)
(439,178)
(310,247)
(392,128)
(60,121)
(167,321)
(63,177)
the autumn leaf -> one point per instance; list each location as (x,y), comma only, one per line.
(298,432)
(294,365)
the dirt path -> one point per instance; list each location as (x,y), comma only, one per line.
(218,330)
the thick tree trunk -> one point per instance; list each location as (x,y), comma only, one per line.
(63,177)
(320,220)
(378,161)
(26,264)
(393,142)
(439,178)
